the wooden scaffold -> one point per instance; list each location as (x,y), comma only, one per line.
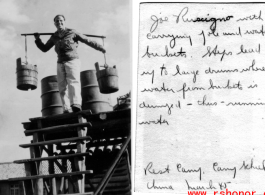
(86,154)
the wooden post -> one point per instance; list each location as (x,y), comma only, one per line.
(51,171)
(37,153)
(80,163)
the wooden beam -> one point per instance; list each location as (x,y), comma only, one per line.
(38,152)
(51,157)
(62,116)
(56,141)
(57,128)
(87,114)
(87,193)
(52,171)
(31,34)
(80,163)
(51,175)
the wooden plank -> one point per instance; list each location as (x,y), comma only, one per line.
(51,157)
(80,163)
(56,141)
(57,128)
(52,171)
(61,116)
(108,128)
(87,193)
(87,113)
(51,175)
(94,144)
(38,152)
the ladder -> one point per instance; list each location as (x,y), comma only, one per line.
(80,171)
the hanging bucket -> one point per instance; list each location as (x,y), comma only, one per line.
(92,99)
(27,76)
(107,79)
(51,100)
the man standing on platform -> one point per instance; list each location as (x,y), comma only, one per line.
(68,64)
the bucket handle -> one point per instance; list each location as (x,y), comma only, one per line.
(105,65)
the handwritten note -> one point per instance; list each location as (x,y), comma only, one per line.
(201,98)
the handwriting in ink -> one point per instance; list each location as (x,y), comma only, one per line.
(248,166)
(212,71)
(213,20)
(245,104)
(254,32)
(168,106)
(180,53)
(185,89)
(158,187)
(182,14)
(203,35)
(233,33)
(156,22)
(161,89)
(210,187)
(194,73)
(216,168)
(159,121)
(163,70)
(253,86)
(205,103)
(251,50)
(223,185)
(149,73)
(150,170)
(172,41)
(227,86)
(215,52)
(252,68)
(183,170)
(251,17)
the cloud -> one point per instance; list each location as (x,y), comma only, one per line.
(9,12)
(7,42)
(117,22)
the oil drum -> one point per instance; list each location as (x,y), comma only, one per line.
(51,100)
(92,99)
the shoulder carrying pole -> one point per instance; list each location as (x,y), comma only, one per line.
(31,34)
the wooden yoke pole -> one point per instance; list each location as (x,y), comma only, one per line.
(32,34)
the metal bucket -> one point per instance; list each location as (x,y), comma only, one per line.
(92,99)
(107,79)
(51,100)
(27,76)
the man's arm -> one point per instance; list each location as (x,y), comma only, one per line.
(43,47)
(93,44)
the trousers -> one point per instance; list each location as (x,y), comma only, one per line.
(68,77)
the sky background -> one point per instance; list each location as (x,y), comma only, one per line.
(110,18)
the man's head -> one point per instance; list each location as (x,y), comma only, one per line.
(59,22)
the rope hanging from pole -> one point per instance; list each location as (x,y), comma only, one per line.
(26,50)
(105,65)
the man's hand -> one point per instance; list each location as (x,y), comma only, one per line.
(103,50)
(36,35)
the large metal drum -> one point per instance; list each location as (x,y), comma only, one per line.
(27,76)
(51,100)
(92,99)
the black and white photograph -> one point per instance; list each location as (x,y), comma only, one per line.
(65,101)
